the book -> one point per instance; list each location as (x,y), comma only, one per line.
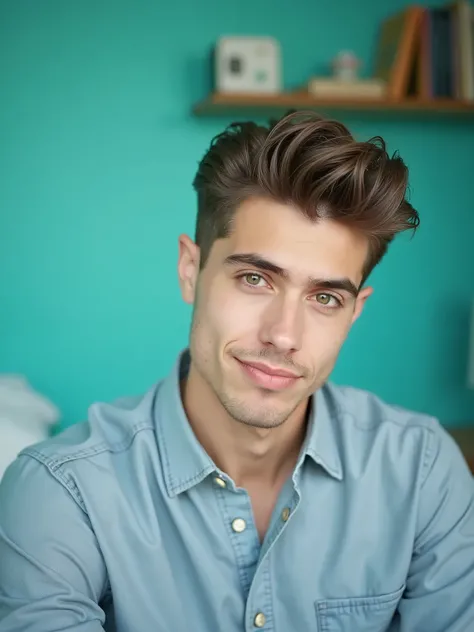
(442,66)
(446,52)
(397,48)
(463,18)
(336,88)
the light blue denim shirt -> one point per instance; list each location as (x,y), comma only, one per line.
(124,523)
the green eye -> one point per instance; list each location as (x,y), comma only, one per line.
(324,299)
(328,300)
(252,279)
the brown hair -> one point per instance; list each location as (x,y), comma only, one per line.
(312,163)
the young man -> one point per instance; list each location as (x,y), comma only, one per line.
(245,491)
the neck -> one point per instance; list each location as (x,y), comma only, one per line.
(247,454)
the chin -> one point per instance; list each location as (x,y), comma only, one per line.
(262,425)
(266,420)
(259,414)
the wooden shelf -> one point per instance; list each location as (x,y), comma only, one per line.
(217,104)
(464,437)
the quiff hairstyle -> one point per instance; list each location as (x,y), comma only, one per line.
(315,165)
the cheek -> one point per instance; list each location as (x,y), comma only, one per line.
(326,334)
(235,313)
(243,314)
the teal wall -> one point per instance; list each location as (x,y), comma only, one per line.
(97,153)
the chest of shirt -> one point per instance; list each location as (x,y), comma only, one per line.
(335,556)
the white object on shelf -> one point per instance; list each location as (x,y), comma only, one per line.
(250,65)
(346,66)
(25,417)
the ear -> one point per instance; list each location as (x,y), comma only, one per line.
(360,302)
(188,267)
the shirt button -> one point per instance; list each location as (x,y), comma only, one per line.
(285,514)
(239,525)
(220,482)
(259,620)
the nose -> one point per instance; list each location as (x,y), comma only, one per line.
(282,324)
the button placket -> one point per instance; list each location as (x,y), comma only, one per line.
(259,602)
(259,606)
(237,513)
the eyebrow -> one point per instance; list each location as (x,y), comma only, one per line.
(263,264)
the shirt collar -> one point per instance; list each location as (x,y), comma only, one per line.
(185,462)
(322,442)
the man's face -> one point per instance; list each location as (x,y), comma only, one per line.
(272,308)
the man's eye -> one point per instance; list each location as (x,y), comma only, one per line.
(253,279)
(327,300)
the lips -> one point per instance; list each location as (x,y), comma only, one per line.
(270,370)
(267,377)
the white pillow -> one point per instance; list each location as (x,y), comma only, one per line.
(25,417)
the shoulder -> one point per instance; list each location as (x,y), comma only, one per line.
(368,411)
(403,437)
(110,429)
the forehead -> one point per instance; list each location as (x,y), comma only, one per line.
(282,234)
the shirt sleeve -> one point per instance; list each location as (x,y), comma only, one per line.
(52,574)
(439,594)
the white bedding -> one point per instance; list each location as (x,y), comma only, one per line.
(26,417)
